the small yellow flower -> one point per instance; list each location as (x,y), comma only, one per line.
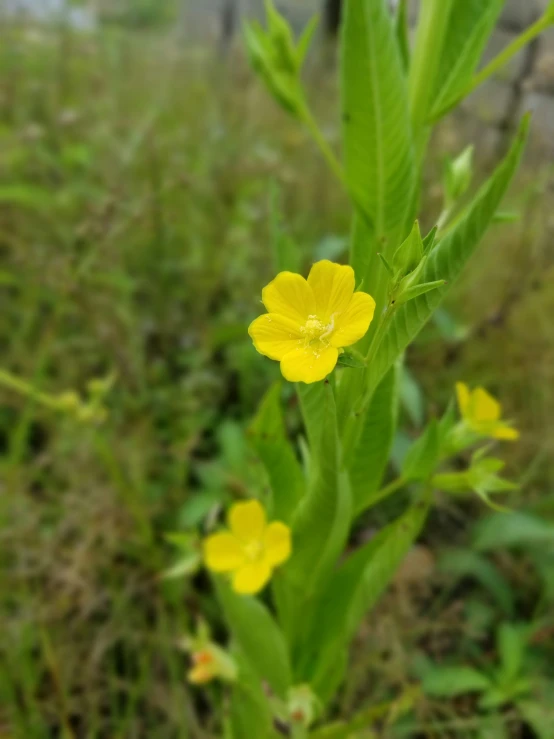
(209,663)
(482,413)
(250,550)
(308,321)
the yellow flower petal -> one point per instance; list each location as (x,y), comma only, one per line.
(274,335)
(247,521)
(200,675)
(333,287)
(251,578)
(289,295)
(277,543)
(353,324)
(463,396)
(483,407)
(304,364)
(223,552)
(505,433)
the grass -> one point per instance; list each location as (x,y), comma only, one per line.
(135,233)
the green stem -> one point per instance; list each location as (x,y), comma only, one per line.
(385,492)
(334,165)
(389,489)
(501,60)
(25,388)
(511,50)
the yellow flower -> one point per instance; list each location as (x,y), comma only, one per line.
(210,662)
(250,550)
(308,321)
(482,413)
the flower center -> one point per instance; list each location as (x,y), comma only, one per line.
(254,550)
(202,658)
(316,333)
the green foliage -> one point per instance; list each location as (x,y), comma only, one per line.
(259,638)
(516,529)
(350,594)
(379,159)
(249,711)
(423,455)
(375,443)
(131,231)
(275,57)
(447,259)
(268,437)
(458,175)
(506,682)
(447,682)
(322,521)
(470,25)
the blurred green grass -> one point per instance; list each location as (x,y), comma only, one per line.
(137,177)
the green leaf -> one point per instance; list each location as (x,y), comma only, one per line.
(185,567)
(249,710)
(423,455)
(416,290)
(322,522)
(383,714)
(539,716)
(447,260)
(429,240)
(352,592)
(372,453)
(447,682)
(312,403)
(305,40)
(27,196)
(403,33)
(458,174)
(268,437)
(511,644)
(470,25)
(258,636)
(386,264)
(379,160)
(518,529)
(410,252)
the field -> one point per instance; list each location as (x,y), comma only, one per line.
(144,187)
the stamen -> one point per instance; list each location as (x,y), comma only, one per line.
(316,334)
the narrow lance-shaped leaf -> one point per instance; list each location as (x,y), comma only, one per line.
(446,261)
(312,403)
(379,155)
(469,27)
(322,523)
(371,456)
(249,709)
(268,437)
(352,592)
(258,636)
(378,148)
(447,682)
(423,455)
